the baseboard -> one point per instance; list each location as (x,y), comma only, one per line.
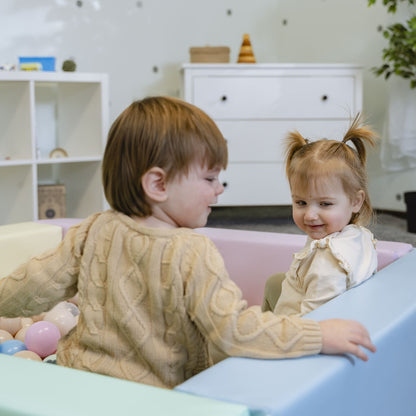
(398,214)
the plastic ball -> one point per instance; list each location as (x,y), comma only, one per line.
(42,338)
(64,315)
(21,334)
(26,322)
(11,325)
(5,336)
(29,355)
(51,359)
(12,346)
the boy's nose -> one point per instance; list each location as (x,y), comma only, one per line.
(220,188)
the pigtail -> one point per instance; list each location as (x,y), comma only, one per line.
(294,142)
(360,135)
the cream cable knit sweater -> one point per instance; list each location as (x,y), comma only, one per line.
(150,301)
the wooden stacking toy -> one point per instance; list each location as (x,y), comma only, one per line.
(246,55)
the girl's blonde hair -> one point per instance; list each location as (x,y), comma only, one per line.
(311,161)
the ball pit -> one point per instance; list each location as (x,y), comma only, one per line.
(36,338)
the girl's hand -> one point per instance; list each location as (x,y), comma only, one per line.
(340,336)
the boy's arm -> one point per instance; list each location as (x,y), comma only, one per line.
(340,336)
(215,305)
(43,281)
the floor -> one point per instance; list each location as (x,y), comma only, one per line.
(386,226)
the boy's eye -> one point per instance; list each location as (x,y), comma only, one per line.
(211,179)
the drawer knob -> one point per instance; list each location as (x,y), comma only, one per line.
(224,98)
(225,184)
(324,97)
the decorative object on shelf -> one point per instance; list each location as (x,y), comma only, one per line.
(51,201)
(210,54)
(7,67)
(69,65)
(58,152)
(246,55)
(37,63)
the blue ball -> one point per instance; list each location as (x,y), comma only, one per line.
(12,346)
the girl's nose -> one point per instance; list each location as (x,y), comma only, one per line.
(311,213)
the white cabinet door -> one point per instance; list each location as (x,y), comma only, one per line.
(254,184)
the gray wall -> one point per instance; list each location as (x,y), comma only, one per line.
(142,44)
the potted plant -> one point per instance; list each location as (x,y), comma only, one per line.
(399,57)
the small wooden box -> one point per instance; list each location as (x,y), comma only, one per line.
(51,201)
(210,54)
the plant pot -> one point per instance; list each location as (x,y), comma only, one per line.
(410,199)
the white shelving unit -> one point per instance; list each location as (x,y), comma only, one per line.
(256,105)
(41,111)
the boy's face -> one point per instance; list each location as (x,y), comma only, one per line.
(190,197)
(323,210)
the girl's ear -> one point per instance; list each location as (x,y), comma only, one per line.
(358,201)
(154,184)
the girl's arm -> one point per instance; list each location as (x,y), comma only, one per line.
(324,280)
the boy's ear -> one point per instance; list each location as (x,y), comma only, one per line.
(154,184)
(358,201)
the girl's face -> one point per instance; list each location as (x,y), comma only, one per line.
(323,207)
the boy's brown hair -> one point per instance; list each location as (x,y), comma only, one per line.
(162,132)
(308,162)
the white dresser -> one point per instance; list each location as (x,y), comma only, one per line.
(256,105)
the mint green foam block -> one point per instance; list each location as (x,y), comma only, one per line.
(35,388)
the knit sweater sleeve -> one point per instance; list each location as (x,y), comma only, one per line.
(215,305)
(44,281)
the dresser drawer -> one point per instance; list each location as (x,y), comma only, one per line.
(254,184)
(263,140)
(245,97)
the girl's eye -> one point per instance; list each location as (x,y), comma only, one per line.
(326,204)
(300,203)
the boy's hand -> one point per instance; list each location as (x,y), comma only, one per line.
(341,336)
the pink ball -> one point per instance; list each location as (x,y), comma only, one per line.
(42,338)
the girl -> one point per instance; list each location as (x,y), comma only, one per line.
(152,293)
(331,205)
